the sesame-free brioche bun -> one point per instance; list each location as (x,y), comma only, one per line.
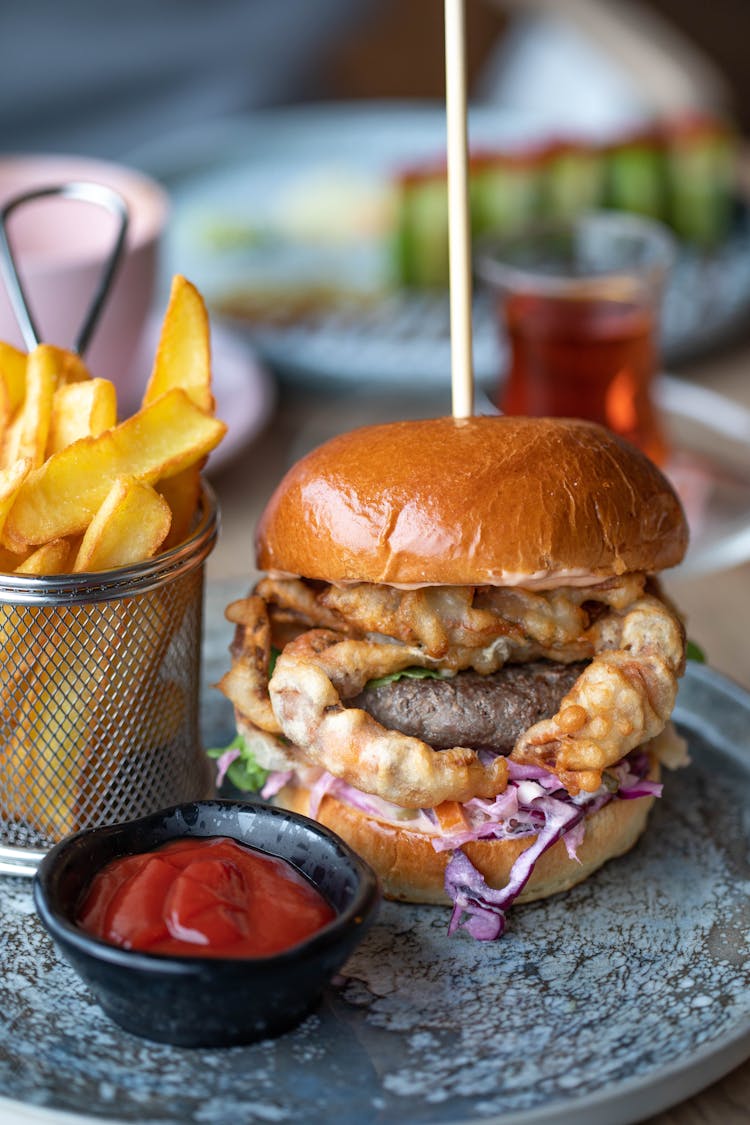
(476,501)
(410,869)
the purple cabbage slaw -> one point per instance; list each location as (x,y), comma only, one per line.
(533,804)
(224,762)
(479,908)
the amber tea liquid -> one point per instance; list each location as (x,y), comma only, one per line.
(580,357)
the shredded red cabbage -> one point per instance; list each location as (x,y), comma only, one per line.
(573,839)
(642,789)
(533,804)
(365,802)
(275,783)
(480,909)
(477,907)
(224,762)
(631,778)
(318,791)
(559,817)
(522,771)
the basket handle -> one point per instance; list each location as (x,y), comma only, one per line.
(100,194)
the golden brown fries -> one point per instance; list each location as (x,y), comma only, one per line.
(62,449)
(81,492)
(183,357)
(62,497)
(27,386)
(84,409)
(130,526)
(182,493)
(50,558)
(70,367)
(13,371)
(9,562)
(36,413)
(11,480)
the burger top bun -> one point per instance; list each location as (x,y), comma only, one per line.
(477,501)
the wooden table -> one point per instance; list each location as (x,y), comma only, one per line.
(717,606)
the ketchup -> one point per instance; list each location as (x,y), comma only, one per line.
(203,897)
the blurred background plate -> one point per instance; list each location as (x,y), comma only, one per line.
(294,205)
(710,468)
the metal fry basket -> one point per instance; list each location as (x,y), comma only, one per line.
(99,693)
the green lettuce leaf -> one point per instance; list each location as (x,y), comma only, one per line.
(244,772)
(409,674)
(695,652)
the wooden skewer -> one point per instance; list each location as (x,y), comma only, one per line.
(459,239)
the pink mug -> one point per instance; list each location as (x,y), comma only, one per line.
(61,247)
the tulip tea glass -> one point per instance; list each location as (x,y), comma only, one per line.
(579,303)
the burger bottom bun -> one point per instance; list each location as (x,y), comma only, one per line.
(410,869)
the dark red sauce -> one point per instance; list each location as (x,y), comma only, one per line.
(203,897)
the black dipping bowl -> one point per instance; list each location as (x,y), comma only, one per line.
(209,1002)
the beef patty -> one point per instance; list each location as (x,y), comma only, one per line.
(481,712)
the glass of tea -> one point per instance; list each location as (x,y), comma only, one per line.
(579,302)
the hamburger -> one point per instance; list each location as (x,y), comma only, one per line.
(459,657)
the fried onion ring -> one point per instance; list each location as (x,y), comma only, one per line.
(246,683)
(316,672)
(623,698)
(446,621)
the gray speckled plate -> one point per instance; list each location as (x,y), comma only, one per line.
(611,1002)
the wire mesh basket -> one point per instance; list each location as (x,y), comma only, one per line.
(99,693)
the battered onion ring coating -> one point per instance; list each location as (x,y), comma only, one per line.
(623,698)
(246,683)
(316,672)
(447,620)
(438,618)
(299,601)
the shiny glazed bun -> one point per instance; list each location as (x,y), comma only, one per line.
(480,501)
(412,871)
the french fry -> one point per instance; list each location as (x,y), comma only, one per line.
(36,413)
(50,558)
(131,525)
(62,496)
(78,761)
(11,480)
(13,369)
(182,493)
(70,366)
(35,763)
(5,410)
(82,409)
(183,356)
(12,440)
(9,562)
(79,492)
(19,435)
(183,359)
